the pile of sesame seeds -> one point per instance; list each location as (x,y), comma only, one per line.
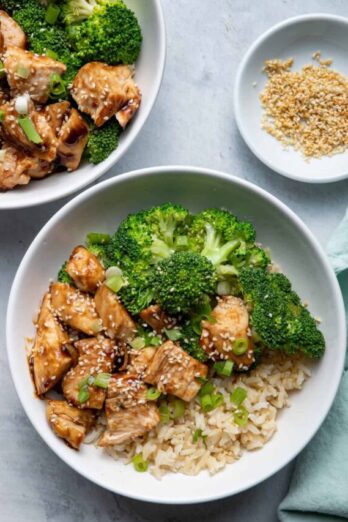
(306,109)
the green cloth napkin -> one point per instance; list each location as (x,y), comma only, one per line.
(319,486)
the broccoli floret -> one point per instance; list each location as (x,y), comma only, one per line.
(132,240)
(278,316)
(9,5)
(63,276)
(226,241)
(75,11)
(190,343)
(137,294)
(102,141)
(181,281)
(44,38)
(111,34)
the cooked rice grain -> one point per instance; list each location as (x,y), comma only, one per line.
(170,447)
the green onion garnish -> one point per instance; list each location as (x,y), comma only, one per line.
(102,380)
(152,394)
(2,69)
(240,416)
(139,463)
(217,399)
(2,115)
(164,413)
(196,325)
(29,130)
(83,395)
(138,343)
(174,334)
(224,368)
(95,238)
(198,434)
(179,408)
(83,382)
(240,346)
(206,389)
(22,71)
(201,380)
(115,283)
(154,340)
(57,85)
(238,395)
(52,13)
(206,403)
(51,54)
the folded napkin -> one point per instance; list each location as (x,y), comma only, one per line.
(319,486)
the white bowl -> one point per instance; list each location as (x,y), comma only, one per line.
(101,208)
(148,75)
(296,38)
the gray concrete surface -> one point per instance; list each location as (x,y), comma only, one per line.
(192,123)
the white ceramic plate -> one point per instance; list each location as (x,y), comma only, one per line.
(148,75)
(296,38)
(102,208)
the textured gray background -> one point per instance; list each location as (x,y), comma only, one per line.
(192,123)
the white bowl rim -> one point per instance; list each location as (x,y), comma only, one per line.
(101,168)
(238,87)
(328,398)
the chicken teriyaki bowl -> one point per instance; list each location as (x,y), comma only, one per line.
(172,343)
(67,86)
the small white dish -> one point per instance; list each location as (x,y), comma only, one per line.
(296,38)
(148,75)
(101,208)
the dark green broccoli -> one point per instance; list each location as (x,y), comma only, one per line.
(190,342)
(9,5)
(182,281)
(45,38)
(278,317)
(137,294)
(98,245)
(110,34)
(75,11)
(226,241)
(63,276)
(102,141)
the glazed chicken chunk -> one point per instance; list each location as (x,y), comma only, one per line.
(157,318)
(69,423)
(231,324)
(103,91)
(96,356)
(50,357)
(128,414)
(175,372)
(139,360)
(85,269)
(75,308)
(30,73)
(116,320)
(10,33)
(18,167)
(12,132)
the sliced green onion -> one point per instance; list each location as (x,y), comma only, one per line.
(95,238)
(29,130)
(152,394)
(52,13)
(201,380)
(206,403)
(90,380)
(164,413)
(196,324)
(240,416)
(22,71)
(238,395)
(115,283)
(206,389)
(198,434)
(138,343)
(102,380)
(57,85)
(179,408)
(139,463)
(2,115)
(174,334)
(182,241)
(154,340)
(224,368)
(51,54)
(83,395)
(217,400)
(240,346)
(2,69)
(83,382)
